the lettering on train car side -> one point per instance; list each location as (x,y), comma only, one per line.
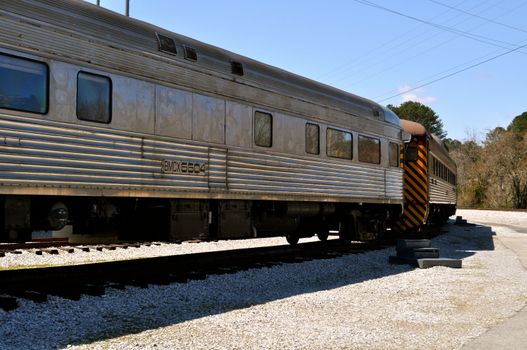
(177,167)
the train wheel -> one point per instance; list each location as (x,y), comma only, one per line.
(292,239)
(323,236)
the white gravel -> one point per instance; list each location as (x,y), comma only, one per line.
(352,302)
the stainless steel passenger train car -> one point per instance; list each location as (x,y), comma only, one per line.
(443,172)
(111,124)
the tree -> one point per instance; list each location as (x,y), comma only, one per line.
(452,144)
(472,178)
(494,135)
(519,124)
(506,155)
(420,113)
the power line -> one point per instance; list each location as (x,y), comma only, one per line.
(391,67)
(438,74)
(478,16)
(456,72)
(390,52)
(393,43)
(476,37)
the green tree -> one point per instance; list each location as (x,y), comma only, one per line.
(420,113)
(519,124)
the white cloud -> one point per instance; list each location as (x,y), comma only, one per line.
(415,95)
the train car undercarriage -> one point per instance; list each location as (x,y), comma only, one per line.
(147,219)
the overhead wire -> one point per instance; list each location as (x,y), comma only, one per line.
(386,46)
(394,47)
(390,57)
(391,67)
(456,72)
(475,37)
(477,16)
(402,48)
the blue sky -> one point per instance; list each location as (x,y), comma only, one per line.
(364,47)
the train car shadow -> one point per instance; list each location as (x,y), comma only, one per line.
(461,241)
(134,310)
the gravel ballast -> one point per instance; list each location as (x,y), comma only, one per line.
(355,301)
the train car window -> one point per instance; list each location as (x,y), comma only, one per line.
(339,144)
(263,129)
(190,53)
(312,138)
(369,150)
(410,154)
(236,68)
(94,102)
(394,154)
(166,44)
(23,84)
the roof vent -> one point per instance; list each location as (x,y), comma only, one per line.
(166,44)
(236,68)
(190,53)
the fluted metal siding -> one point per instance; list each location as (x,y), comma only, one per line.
(38,153)
(442,192)
(45,155)
(250,171)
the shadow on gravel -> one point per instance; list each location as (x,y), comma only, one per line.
(59,323)
(465,240)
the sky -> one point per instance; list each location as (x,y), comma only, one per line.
(465,59)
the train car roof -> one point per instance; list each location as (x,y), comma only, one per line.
(89,19)
(413,128)
(437,146)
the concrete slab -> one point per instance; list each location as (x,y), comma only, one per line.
(426,263)
(512,333)
(509,335)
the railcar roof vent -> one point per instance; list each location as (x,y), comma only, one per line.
(166,44)
(190,53)
(236,68)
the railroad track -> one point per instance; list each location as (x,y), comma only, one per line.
(73,281)
(55,247)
